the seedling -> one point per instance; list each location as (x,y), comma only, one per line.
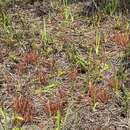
(17,128)
(75,58)
(6,23)
(127,25)
(44,36)
(47,89)
(12,56)
(17,118)
(58,120)
(98,42)
(105,67)
(117,23)
(4,117)
(96,20)
(68,17)
(60,73)
(115,84)
(92,93)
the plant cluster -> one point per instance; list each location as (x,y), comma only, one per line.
(97,95)
(53,106)
(28,58)
(24,107)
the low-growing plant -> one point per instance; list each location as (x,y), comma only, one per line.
(17,119)
(30,58)
(50,64)
(121,39)
(12,56)
(47,89)
(67,13)
(98,42)
(96,20)
(115,83)
(46,39)
(111,7)
(7,29)
(58,121)
(3,118)
(118,23)
(57,105)
(97,95)
(72,75)
(92,94)
(74,57)
(41,77)
(96,70)
(24,107)
(52,107)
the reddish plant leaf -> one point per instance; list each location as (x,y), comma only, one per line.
(30,58)
(100,94)
(72,75)
(41,78)
(53,107)
(121,39)
(24,107)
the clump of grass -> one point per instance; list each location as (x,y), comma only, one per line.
(46,40)
(76,59)
(3,116)
(45,37)
(7,29)
(111,7)
(67,14)
(96,19)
